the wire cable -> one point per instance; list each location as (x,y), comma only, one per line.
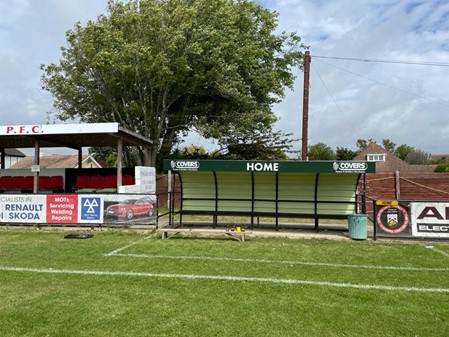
(387,85)
(419,63)
(335,102)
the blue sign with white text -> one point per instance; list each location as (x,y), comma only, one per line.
(91,208)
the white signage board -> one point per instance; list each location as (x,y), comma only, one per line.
(23,208)
(145,178)
(430,219)
(58,129)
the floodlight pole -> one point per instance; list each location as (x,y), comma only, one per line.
(305,105)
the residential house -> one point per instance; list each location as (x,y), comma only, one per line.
(50,161)
(12,156)
(387,162)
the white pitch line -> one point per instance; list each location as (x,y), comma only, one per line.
(442,252)
(304,263)
(225,278)
(114,252)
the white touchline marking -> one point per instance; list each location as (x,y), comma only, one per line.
(305,263)
(442,252)
(224,278)
(126,247)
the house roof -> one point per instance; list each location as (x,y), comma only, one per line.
(439,156)
(391,163)
(50,161)
(14,153)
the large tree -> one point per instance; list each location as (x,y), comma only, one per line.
(162,68)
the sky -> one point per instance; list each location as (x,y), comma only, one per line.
(379,68)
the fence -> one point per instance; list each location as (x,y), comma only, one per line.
(406,186)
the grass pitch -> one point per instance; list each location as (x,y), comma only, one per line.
(129,284)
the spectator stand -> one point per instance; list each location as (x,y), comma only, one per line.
(46,196)
(74,136)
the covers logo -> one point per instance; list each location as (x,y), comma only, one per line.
(185,165)
(350,167)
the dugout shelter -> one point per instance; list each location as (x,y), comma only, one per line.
(277,189)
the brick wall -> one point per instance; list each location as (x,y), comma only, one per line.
(406,186)
(162,189)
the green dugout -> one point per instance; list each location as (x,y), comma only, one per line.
(311,189)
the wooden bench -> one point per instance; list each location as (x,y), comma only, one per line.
(233,234)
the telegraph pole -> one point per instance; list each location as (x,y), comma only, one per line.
(305,106)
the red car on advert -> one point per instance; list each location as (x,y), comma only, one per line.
(130,208)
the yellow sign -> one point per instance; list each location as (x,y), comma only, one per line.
(387,202)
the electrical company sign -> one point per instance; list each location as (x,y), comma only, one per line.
(430,219)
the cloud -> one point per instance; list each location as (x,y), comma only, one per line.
(31,34)
(349,99)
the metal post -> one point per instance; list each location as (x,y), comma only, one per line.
(364,195)
(36,162)
(119,162)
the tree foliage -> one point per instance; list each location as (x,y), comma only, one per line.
(343,153)
(363,143)
(440,160)
(109,155)
(442,167)
(402,151)
(388,145)
(418,157)
(162,68)
(321,151)
(255,145)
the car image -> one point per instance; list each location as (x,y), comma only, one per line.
(130,208)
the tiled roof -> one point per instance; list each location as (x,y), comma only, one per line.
(49,161)
(392,163)
(14,153)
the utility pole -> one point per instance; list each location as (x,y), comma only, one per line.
(305,106)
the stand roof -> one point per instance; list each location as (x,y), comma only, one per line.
(73,136)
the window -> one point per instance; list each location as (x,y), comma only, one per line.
(375,157)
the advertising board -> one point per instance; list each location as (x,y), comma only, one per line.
(413,219)
(16,208)
(430,219)
(55,209)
